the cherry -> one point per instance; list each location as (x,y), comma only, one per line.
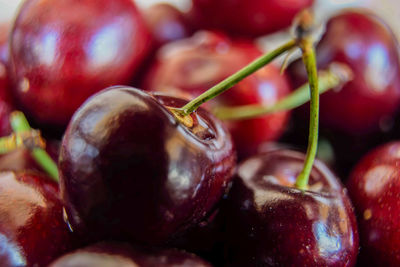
(369,48)
(275,224)
(129,170)
(166,23)
(191,66)
(64,51)
(249,18)
(374,187)
(120,254)
(32,230)
(5,98)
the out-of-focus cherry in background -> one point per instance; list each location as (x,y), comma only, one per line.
(385,8)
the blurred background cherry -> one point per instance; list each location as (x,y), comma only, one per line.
(191,66)
(246,17)
(64,51)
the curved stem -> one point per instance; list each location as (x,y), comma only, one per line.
(20,124)
(235,78)
(335,76)
(309,60)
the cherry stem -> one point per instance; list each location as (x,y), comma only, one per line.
(335,76)
(234,79)
(20,124)
(14,141)
(309,59)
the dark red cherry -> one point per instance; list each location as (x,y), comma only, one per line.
(6,105)
(166,23)
(130,171)
(64,51)
(374,187)
(274,224)
(32,229)
(108,254)
(369,48)
(191,66)
(244,17)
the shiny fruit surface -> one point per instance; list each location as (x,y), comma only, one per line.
(374,187)
(32,230)
(364,43)
(276,224)
(64,51)
(129,170)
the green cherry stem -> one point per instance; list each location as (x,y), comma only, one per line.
(20,124)
(309,59)
(335,76)
(234,79)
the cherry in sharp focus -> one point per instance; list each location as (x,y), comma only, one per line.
(125,151)
(276,224)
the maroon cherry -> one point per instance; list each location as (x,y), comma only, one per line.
(5,98)
(374,187)
(275,224)
(122,255)
(64,51)
(369,48)
(191,66)
(129,170)
(243,17)
(166,23)
(32,230)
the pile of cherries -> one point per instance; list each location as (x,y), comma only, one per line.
(147,177)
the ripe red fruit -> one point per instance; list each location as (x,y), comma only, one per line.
(374,187)
(64,51)
(166,23)
(128,170)
(275,224)
(370,49)
(6,105)
(191,66)
(32,230)
(246,17)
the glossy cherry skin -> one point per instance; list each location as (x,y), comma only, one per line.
(191,66)
(111,254)
(275,224)
(64,51)
(32,230)
(370,49)
(150,177)
(166,23)
(244,17)
(374,187)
